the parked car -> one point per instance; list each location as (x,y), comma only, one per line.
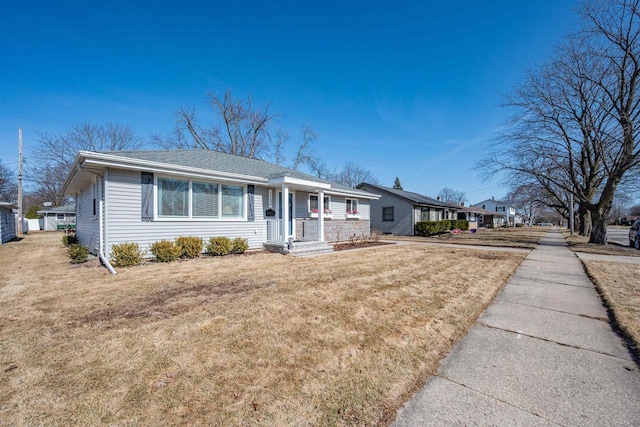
(634,235)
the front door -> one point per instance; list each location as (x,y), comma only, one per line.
(290,225)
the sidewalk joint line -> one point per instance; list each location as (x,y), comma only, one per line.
(496,398)
(552,341)
(586,316)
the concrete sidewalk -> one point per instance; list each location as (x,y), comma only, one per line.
(542,354)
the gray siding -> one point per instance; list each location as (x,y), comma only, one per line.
(338,206)
(124,223)
(7,224)
(87,225)
(404,214)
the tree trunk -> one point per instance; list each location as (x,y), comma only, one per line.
(584,221)
(598,233)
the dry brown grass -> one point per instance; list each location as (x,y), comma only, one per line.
(620,287)
(515,237)
(581,244)
(257,339)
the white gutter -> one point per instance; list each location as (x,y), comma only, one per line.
(101,254)
(109,160)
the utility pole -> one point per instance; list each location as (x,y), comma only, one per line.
(19,182)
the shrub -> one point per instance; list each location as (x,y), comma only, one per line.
(520,224)
(126,255)
(375,235)
(219,246)
(77,253)
(431,228)
(190,246)
(165,251)
(239,245)
(69,239)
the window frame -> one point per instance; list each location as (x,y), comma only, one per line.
(392,214)
(326,205)
(346,205)
(190,217)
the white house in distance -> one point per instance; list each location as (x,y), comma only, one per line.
(506,212)
(7,222)
(58,218)
(146,196)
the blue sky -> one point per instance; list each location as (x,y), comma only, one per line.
(410,89)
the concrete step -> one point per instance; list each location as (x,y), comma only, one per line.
(301,248)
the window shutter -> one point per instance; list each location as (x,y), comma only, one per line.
(251,209)
(147,196)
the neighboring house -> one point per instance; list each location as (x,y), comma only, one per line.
(505,213)
(477,217)
(58,218)
(7,222)
(397,211)
(146,196)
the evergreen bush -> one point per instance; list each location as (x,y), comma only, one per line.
(77,253)
(219,246)
(126,255)
(69,239)
(239,245)
(165,251)
(190,246)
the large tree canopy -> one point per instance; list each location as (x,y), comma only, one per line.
(239,127)
(575,130)
(56,152)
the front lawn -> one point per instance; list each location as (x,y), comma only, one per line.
(619,285)
(513,237)
(256,339)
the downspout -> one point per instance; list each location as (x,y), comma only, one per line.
(101,254)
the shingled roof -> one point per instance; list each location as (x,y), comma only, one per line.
(219,162)
(416,198)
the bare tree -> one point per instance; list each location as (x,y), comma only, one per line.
(55,154)
(8,184)
(351,175)
(455,196)
(240,128)
(62,148)
(49,180)
(575,131)
(304,154)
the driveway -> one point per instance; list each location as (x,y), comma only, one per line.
(618,234)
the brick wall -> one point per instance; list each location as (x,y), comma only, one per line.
(335,230)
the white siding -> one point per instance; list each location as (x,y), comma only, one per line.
(124,223)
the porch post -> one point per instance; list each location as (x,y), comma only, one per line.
(285,213)
(320,216)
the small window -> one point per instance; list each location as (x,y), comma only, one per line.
(232,201)
(424,214)
(387,213)
(173,197)
(205,199)
(313,204)
(352,206)
(60,216)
